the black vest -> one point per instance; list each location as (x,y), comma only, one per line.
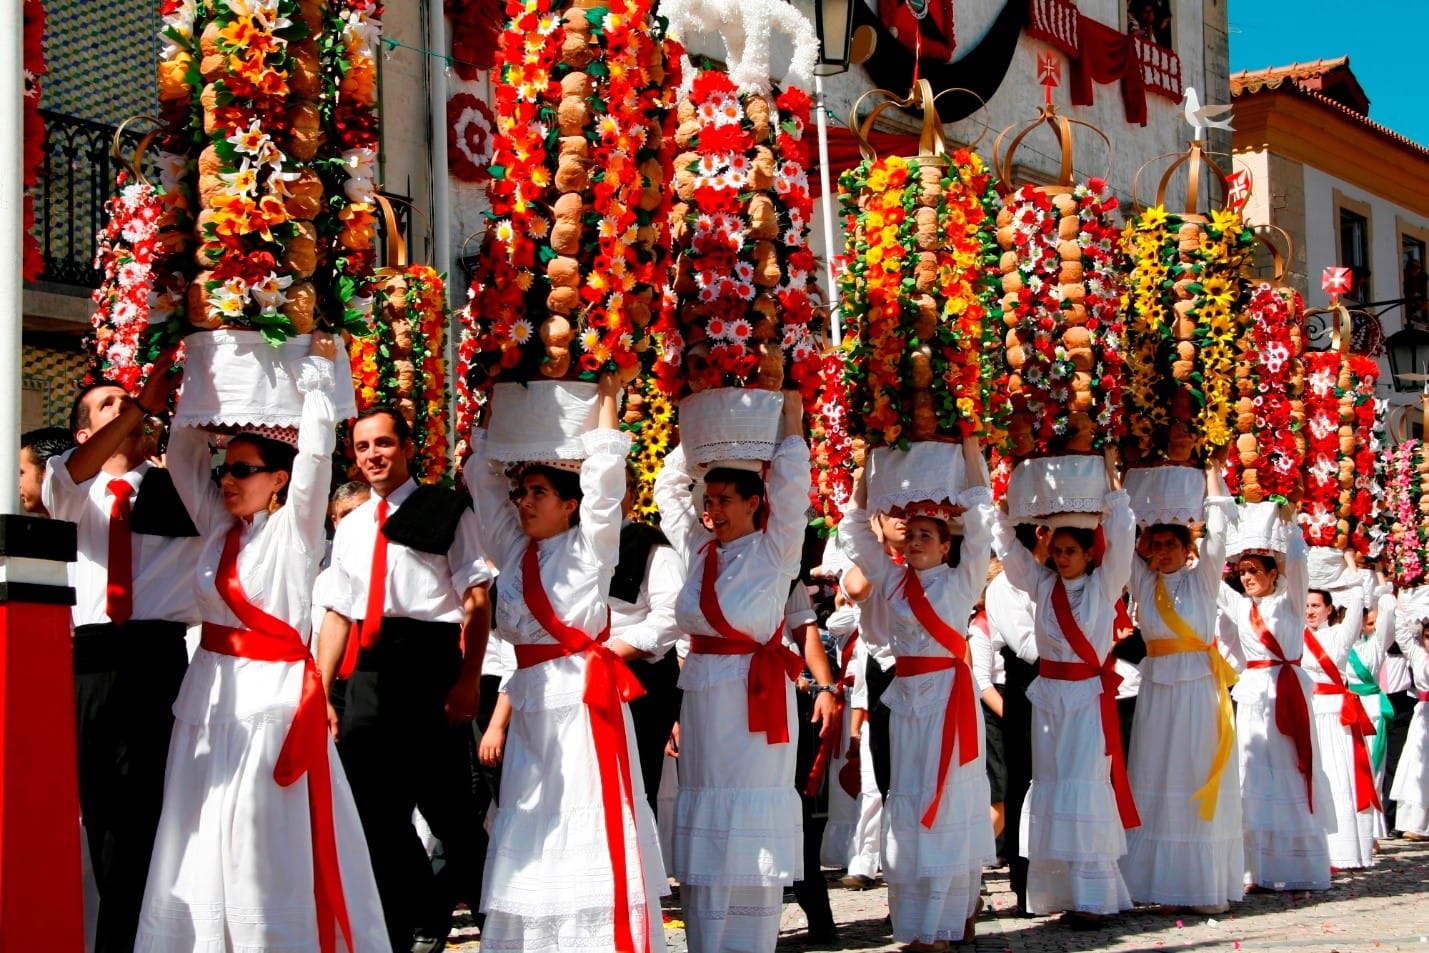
(427,520)
(636,541)
(158,510)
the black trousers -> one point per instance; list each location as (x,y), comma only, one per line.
(878,744)
(812,893)
(1403,703)
(400,754)
(125,681)
(653,715)
(1017,756)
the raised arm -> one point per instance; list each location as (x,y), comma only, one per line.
(190,465)
(674,497)
(1220,512)
(500,530)
(1021,567)
(602,487)
(317,436)
(1119,530)
(856,539)
(788,487)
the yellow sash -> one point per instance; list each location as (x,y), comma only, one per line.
(1186,640)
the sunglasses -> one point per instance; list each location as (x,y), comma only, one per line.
(239,471)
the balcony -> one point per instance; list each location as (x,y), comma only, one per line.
(76,179)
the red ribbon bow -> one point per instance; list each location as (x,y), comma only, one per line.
(1292,712)
(305,748)
(770,662)
(608,684)
(960,718)
(1355,719)
(1092,667)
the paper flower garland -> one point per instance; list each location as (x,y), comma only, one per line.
(649,418)
(174,268)
(834,452)
(1341,424)
(1407,508)
(571,272)
(402,365)
(740,230)
(1184,306)
(1061,298)
(123,341)
(288,151)
(33,14)
(920,285)
(1270,414)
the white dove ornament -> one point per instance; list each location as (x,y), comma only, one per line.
(1202,118)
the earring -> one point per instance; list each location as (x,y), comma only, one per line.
(274,503)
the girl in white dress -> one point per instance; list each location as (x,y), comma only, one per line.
(259,846)
(574,860)
(1343,730)
(1410,788)
(938,831)
(1281,778)
(738,833)
(1366,658)
(1188,850)
(1075,819)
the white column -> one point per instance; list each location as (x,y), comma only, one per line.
(440,186)
(12,224)
(831,287)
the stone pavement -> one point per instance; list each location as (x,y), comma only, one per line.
(1383,909)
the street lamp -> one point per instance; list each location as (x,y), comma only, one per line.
(1408,351)
(833,19)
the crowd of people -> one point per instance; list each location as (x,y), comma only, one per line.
(1167,716)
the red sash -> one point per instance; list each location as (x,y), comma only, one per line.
(305,748)
(831,741)
(769,665)
(960,716)
(1092,667)
(1292,712)
(1355,719)
(608,684)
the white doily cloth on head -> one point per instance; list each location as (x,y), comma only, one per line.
(1169,494)
(541,422)
(1259,530)
(236,380)
(1058,491)
(927,472)
(730,426)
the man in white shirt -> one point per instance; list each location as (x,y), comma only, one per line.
(647,579)
(134,599)
(411,572)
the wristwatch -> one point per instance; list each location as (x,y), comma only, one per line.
(831,689)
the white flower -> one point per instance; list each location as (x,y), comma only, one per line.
(269,291)
(1322,382)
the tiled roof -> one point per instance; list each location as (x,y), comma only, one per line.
(1249,82)
(1257,79)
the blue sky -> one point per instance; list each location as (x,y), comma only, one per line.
(1385,42)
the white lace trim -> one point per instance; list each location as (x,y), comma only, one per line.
(713,454)
(315,374)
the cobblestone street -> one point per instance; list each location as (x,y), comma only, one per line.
(1382,909)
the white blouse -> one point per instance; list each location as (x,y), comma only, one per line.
(754,571)
(1283,612)
(1011,617)
(576,566)
(1194,592)
(278,558)
(952,592)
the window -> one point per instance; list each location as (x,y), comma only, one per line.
(1415,282)
(1354,252)
(1151,19)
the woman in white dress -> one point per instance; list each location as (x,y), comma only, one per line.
(574,861)
(1188,851)
(1286,805)
(1079,806)
(259,846)
(1410,788)
(738,833)
(938,831)
(1366,658)
(1343,730)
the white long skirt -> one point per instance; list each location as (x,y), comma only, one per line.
(738,830)
(860,845)
(1410,790)
(1071,831)
(1352,844)
(1174,857)
(1285,843)
(934,875)
(837,848)
(233,865)
(548,881)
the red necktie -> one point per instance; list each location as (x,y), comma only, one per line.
(376,582)
(119,596)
